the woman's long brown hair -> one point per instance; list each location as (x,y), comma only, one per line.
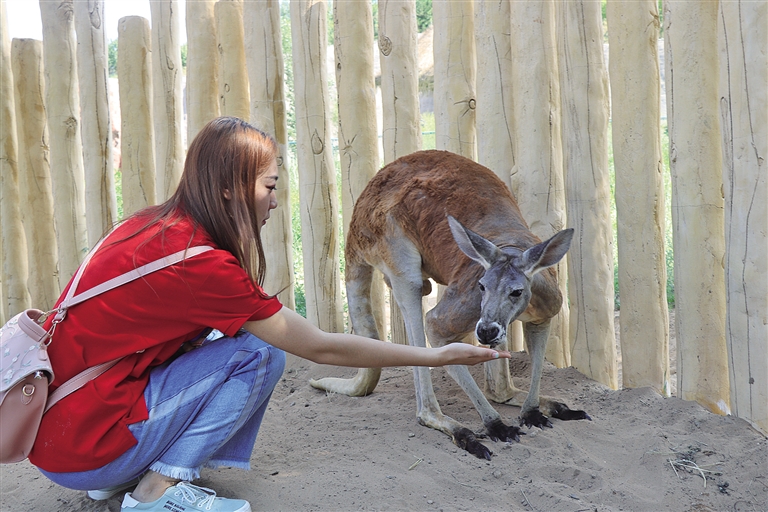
(227,157)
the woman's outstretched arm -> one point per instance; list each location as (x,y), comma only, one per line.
(293,333)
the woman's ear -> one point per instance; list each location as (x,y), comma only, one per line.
(227,194)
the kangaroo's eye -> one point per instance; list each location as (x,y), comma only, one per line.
(482,288)
(516,293)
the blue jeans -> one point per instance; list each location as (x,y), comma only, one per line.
(205,409)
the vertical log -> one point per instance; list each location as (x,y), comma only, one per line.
(13,241)
(584,93)
(234,98)
(697,205)
(744,109)
(399,78)
(455,103)
(358,140)
(317,174)
(495,148)
(401,119)
(640,205)
(35,190)
(202,66)
(137,132)
(454,76)
(358,137)
(93,74)
(168,106)
(63,112)
(495,99)
(537,177)
(264,52)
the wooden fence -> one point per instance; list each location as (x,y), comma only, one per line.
(522,87)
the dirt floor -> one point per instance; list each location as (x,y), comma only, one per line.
(319,452)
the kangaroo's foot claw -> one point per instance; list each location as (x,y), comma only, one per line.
(562,412)
(498,431)
(534,418)
(466,440)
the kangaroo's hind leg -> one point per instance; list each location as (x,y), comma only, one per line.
(359,278)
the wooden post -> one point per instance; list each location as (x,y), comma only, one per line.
(63,113)
(93,73)
(168,105)
(399,78)
(13,242)
(537,177)
(455,67)
(697,203)
(317,174)
(202,66)
(584,93)
(401,121)
(137,133)
(234,98)
(35,190)
(358,140)
(455,102)
(264,53)
(495,97)
(358,137)
(743,109)
(495,148)
(640,205)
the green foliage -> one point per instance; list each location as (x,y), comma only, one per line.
(112,58)
(184,57)
(668,248)
(375,11)
(423,14)
(427,130)
(661,18)
(119,192)
(285,34)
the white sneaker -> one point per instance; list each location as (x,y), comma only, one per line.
(189,498)
(108,492)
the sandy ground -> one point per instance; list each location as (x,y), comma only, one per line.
(319,452)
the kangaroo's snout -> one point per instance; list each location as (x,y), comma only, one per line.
(489,333)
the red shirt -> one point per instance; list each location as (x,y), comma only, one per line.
(145,322)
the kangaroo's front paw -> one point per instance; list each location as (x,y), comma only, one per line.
(534,418)
(561,411)
(466,440)
(498,431)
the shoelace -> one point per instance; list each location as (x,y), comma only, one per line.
(193,493)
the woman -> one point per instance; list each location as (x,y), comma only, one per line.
(180,400)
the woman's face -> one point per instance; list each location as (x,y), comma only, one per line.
(265,194)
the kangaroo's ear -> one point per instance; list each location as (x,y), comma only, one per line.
(547,253)
(473,245)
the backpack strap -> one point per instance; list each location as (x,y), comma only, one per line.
(78,381)
(132,275)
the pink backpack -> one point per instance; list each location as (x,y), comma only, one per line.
(25,369)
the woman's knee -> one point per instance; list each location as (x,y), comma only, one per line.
(271,358)
(276,364)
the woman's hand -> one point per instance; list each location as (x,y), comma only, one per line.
(464,353)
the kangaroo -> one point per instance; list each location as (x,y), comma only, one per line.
(435,214)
